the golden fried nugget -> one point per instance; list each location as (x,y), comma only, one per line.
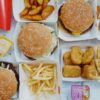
(97,62)
(40,2)
(35,11)
(67,58)
(92,62)
(76,55)
(98,52)
(27,3)
(45,3)
(36,17)
(88,55)
(90,72)
(47,11)
(71,71)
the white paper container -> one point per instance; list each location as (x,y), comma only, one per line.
(25,92)
(98,21)
(18,6)
(68,48)
(91,34)
(20,57)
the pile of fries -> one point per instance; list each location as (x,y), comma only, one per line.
(36,10)
(42,78)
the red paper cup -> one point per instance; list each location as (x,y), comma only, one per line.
(5,14)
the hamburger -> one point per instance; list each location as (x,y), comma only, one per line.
(36,40)
(8,82)
(76,16)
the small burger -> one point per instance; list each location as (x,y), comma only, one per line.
(76,16)
(36,40)
(8,82)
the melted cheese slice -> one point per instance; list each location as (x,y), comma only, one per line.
(5,45)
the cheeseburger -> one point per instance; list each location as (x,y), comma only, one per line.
(76,16)
(36,40)
(8,83)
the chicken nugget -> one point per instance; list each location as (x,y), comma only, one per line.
(71,71)
(92,62)
(76,55)
(88,55)
(67,58)
(90,72)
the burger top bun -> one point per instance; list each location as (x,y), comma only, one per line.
(8,84)
(77,16)
(34,40)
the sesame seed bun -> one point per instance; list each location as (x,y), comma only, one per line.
(34,40)
(8,84)
(76,16)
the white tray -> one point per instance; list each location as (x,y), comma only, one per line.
(24,91)
(91,34)
(68,48)
(18,6)
(20,57)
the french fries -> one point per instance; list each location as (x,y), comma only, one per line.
(36,10)
(42,78)
(40,2)
(37,18)
(24,12)
(27,17)
(27,3)
(33,7)
(47,11)
(45,3)
(31,2)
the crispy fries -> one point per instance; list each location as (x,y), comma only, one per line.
(24,12)
(27,3)
(31,2)
(47,11)
(40,2)
(45,3)
(42,78)
(36,10)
